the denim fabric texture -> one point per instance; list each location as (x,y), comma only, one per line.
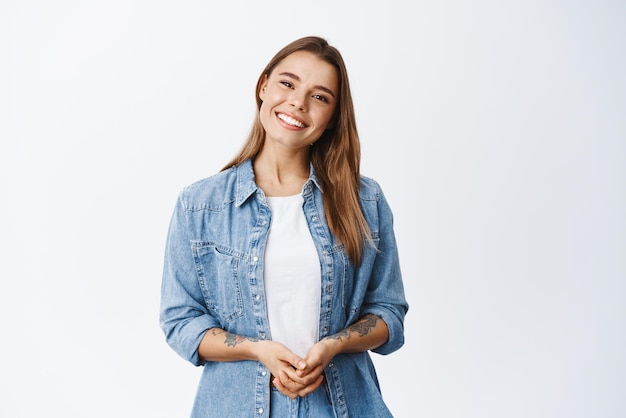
(213,277)
(314,405)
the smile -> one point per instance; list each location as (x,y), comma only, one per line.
(290,121)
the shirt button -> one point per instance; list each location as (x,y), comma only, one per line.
(255,258)
(262,335)
(325,252)
(260,410)
(263,373)
(315,218)
(257,297)
(264,223)
(331,365)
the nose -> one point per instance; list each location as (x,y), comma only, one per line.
(298,100)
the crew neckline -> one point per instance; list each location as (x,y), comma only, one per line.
(293,196)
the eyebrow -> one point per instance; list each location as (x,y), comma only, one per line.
(295,77)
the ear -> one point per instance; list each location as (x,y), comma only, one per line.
(262,88)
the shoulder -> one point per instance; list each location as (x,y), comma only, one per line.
(212,192)
(373,201)
(370,189)
(376,211)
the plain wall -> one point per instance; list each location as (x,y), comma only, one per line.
(496,129)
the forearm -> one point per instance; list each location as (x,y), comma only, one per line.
(220,345)
(367,333)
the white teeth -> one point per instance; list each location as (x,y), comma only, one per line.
(291,121)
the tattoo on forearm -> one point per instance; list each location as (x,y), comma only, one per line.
(362,327)
(231,339)
(365,325)
(234,339)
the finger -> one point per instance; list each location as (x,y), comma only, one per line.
(301,389)
(296,361)
(314,372)
(298,386)
(311,388)
(283,389)
(289,381)
(309,377)
(289,377)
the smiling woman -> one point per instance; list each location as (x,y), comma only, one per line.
(298,101)
(282,272)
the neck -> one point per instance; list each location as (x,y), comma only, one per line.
(281,176)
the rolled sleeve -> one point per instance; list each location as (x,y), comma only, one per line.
(395,325)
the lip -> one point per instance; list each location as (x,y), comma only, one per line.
(287,125)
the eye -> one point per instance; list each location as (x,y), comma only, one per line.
(286,84)
(320,97)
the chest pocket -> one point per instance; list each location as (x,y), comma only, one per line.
(217,269)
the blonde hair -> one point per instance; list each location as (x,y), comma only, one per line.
(335,156)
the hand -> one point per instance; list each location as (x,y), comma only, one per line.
(295,387)
(309,372)
(284,364)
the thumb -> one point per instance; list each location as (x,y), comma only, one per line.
(296,361)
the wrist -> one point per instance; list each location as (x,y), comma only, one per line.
(333,345)
(256,350)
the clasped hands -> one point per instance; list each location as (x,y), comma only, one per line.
(292,375)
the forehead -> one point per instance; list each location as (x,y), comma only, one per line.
(308,67)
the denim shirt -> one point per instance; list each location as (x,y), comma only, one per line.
(213,277)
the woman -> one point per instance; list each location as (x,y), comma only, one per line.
(282,271)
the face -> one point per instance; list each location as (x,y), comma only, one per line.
(299,100)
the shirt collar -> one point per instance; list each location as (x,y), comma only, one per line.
(246,186)
(245,182)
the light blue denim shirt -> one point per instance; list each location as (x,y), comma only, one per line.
(213,277)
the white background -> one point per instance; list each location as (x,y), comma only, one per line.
(496,129)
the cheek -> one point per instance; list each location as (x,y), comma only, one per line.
(264,114)
(267,105)
(328,118)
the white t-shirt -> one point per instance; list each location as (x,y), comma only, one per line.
(292,277)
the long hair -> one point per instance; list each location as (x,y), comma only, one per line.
(335,156)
